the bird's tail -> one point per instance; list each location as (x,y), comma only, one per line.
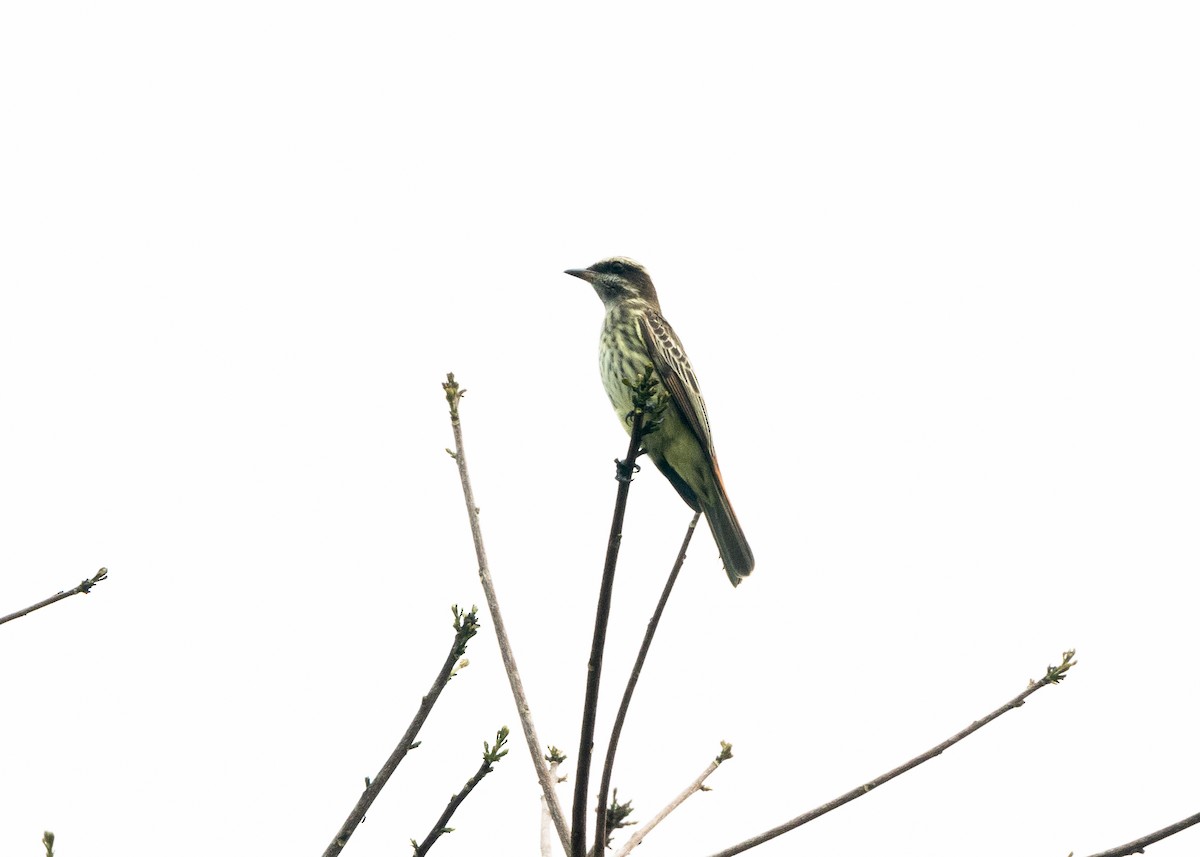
(727,533)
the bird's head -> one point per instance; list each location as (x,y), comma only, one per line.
(617,280)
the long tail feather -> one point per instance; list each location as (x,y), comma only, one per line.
(731,541)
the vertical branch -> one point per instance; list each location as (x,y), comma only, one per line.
(454,394)
(583,762)
(601,840)
(646,416)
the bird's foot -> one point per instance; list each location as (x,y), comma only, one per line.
(625,473)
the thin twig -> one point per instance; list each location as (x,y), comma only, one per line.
(697,785)
(454,395)
(491,755)
(1138,845)
(601,840)
(1053,676)
(85,587)
(465,626)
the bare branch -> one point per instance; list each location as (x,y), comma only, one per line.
(1137,846)
(465,627)
(1054,674)
(85,587)
(491,755)
(697,785)
(601,839)
(454,394)
(645,404)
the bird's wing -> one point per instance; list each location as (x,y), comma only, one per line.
(671,363)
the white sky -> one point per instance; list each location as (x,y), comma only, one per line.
(936,266)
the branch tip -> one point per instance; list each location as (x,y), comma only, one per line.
(454,394)
(1057,674)
(1054,675)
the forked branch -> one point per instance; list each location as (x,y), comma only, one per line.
(601,838)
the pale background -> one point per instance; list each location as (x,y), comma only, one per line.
(936,265)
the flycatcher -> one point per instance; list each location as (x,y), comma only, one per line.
(635,335)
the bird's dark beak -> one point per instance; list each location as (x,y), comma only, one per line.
(581,273)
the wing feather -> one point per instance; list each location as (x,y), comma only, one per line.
(671,363)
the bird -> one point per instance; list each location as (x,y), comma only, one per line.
(635,335)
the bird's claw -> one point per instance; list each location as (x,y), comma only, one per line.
(624,472)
